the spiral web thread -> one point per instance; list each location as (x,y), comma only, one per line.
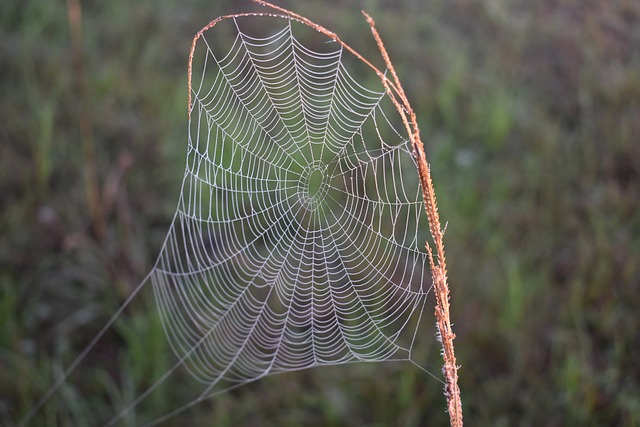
(296,242)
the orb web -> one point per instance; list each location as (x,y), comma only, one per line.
(298,237)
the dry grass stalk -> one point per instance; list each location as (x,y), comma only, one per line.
(91,183)
(439,270)
(438,264)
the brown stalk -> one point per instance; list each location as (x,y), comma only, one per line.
(439,270)
(438,264)
(92,187)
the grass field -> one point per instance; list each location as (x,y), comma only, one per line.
(530,112)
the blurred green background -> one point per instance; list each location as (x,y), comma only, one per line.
(531,116)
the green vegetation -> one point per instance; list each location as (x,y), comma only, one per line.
(530,113)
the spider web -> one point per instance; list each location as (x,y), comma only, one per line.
(298,239)
(296,242)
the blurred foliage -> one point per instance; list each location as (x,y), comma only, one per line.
(531,114)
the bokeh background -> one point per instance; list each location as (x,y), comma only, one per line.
(531,116)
